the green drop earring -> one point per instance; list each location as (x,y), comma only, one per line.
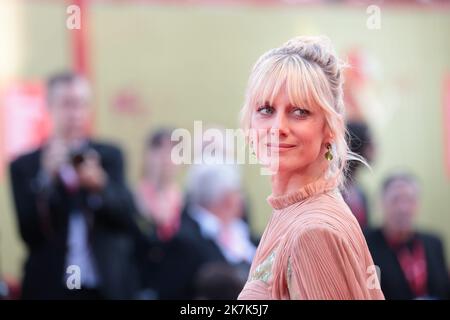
(329,154)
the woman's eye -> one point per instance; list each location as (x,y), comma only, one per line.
(265,110)
(301,112)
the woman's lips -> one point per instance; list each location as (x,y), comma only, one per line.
(281,146)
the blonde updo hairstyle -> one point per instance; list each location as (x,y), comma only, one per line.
(312,74)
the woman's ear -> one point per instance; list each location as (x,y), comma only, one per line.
(328,136)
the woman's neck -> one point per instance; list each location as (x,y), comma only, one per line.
(287,182)
(157,181)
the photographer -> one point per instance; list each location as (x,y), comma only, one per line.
(73,208)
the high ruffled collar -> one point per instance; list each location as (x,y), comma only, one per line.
(314,188)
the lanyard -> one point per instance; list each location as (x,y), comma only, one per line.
(414,265)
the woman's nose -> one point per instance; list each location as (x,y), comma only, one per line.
(280,125)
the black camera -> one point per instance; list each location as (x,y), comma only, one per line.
(79,155)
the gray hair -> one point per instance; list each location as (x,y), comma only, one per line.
(207,183)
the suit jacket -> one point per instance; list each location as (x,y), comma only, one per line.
(172,267)
(393,281)
(43,215)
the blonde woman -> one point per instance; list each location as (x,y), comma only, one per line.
(312,247)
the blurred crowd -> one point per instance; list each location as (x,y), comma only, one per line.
(90,235)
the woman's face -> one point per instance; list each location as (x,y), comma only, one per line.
(301,132)
(158,160)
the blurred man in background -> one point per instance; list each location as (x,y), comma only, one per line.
(212,237)
(213,222)
(73,207)
(412,262)
(215,212)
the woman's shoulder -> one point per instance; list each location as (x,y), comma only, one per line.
(328,211)
(326,216)
(316,224)
(323,235)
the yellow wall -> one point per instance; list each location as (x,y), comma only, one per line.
(191,63)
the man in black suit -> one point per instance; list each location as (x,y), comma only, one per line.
(74,210)
(212,238)
(411,262)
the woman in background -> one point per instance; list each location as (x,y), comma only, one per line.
(312,247)
(158,195)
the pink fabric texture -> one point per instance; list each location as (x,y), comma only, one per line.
(312,248)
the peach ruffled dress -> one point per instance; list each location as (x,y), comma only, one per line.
(312,248)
